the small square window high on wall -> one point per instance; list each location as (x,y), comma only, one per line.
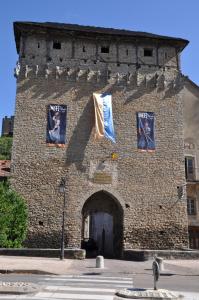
(148,52)
(105,49)
(56,45)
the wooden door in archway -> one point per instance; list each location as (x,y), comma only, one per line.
(101,231)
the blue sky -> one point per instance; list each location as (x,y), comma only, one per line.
(179,18)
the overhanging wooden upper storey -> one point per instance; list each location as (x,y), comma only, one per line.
(99,33)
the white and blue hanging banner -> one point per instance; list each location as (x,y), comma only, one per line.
(103,116)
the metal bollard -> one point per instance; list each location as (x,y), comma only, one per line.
(100,262)
(156,273)
(160,263)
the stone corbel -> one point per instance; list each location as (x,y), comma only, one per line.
(80,74)
(121,77)
(27,71)
(132,79)
(142,82)
(129,77)
(108,74)
(36,70)
(111,77)
(160,84)
(67,72)
(99,74)
(169,85)
(17,70)
(91,75)
(58,72)
(152,81)
(47,72)
(70,72)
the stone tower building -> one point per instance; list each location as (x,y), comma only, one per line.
(122,195)
(7,126)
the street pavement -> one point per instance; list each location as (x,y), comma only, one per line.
(77,287)
(74,287)
(84,287)
(76,279)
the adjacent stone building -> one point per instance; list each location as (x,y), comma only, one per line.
(191,135)
(119,196)
(7,126)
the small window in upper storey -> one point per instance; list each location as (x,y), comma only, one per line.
(56,45)
(148,52)
(104,49)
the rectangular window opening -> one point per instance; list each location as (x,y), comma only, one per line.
(191,206)
(190,168)
(105,49)
(56,45)
(148,52)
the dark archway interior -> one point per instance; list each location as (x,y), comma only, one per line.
(106,213)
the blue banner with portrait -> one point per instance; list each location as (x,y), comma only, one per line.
(145,131)
(56,124)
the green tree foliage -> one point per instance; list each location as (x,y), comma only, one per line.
(13,218)
(5,147)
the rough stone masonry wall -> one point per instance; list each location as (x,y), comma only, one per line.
(145,184)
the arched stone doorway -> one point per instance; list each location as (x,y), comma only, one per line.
(102,228)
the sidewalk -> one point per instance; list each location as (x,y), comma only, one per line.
(34,265)
(43,265)
(188,267)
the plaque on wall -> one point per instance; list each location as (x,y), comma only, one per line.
(103,172)
(102,178)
